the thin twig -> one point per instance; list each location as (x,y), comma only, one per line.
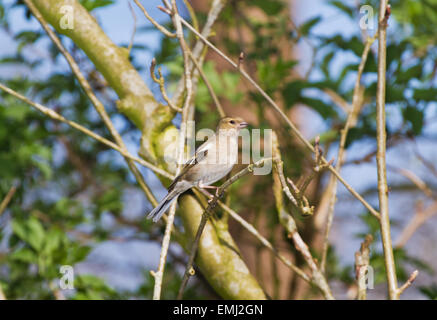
(428,164)
(192,14)
(409,282)
(161,82)
(350,121)
(153,21)
(159,274)
(293,128)
(335,97)
(205,216)
(5,202)
(134,31)
(381,137)
(56,116)
(416,180)
(419,219)
(208,85)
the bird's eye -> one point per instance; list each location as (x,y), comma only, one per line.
(232,122)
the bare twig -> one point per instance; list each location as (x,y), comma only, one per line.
(296,197)
(212,204)
(362,258)
(381,153)
(159,274)
(56,116)
(416,180)
(153,21)
(131,43)
(192,14)
(161,82)
(5,202)
(293,128)
(408,283)
(419,218)
(208,85)
(350,121)
(335,97)
(428,164)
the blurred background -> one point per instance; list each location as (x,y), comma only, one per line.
(74,201)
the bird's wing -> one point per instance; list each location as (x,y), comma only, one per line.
(200,154)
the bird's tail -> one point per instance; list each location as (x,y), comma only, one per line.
(165,203)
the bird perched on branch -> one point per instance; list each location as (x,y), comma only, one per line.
(212,161)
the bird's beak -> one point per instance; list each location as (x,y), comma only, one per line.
(243,125)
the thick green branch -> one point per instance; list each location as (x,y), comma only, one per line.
(217,257)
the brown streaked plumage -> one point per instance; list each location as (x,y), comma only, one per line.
(212,161)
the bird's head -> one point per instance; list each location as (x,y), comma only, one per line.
(229,123)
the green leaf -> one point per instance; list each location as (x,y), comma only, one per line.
(394,94)
(93,4)
(36,233)
(354,43)
(31,231)
(343,7)
(325,63)
(78,253)
(429,291)
(52,241)
(17,112)
(24,255)
(425,94)
(415,117)
(324,109)
(306,27)
(292,92)
(271,7)
(410,73)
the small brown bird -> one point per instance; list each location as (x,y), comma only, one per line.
(212,161)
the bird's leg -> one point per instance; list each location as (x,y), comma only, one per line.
(201,185)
